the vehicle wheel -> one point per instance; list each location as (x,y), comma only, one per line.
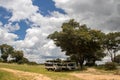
(55,70)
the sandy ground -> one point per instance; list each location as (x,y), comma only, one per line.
(89,74)
(93,74)
(27,75)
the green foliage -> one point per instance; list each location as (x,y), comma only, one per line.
(23,60)
(90,63)
(79,42)
(4,57)
(117,59)
(110,66)
(32,63)
(0,60)
(101,67)
(17,55)
(112,44)
(5,51)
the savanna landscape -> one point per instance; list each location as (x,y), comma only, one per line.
(84,46)
(59,39)
(38,72)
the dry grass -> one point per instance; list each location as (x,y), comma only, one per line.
(26,75)
(93,74)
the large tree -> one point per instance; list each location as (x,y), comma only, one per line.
(78,41)
(112,44)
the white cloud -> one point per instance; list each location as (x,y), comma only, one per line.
(21,9)
(100,14)
(6,37)
(37,47)
(49,45)
(94,13)
(11,28)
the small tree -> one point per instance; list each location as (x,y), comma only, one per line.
(6,50)
(112,44)
(110,66)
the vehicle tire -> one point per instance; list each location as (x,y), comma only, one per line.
(48,69)
(55,69)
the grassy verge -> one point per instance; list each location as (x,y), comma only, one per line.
(8,76)
(40,69)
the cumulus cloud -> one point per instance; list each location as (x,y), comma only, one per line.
(6,37)
(11,28)
(21,9)
(98,14)
(95,13)
(35,44)
(37,47)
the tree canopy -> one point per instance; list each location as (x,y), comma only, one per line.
(16,55)
(79,41)
(5,51)
(112,44)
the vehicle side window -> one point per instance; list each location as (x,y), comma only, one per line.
(48,64)
(70,64)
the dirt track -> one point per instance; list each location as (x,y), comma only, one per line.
(93,74)
(27,75)
(90,74)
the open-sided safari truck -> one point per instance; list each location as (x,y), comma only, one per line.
(60,65)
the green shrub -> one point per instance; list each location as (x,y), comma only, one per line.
(90,64)
(110,66)
(23,60)
(32,63)
(101,67)
(1,60)
(117,59)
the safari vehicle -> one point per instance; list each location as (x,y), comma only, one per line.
(69,66)
(60,65)
(54,66)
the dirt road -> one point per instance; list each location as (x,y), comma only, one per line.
(89,74)
(26,75)
(93,74)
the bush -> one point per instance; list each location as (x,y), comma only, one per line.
(90,64)
(117,59)
(101,67)
(1,60)
(23,60)
(11,61)
(32,63)
(110,66)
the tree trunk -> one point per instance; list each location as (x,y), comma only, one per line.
(81,61)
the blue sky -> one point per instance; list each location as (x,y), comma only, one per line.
(45,7)
(3,14)
(26,23)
